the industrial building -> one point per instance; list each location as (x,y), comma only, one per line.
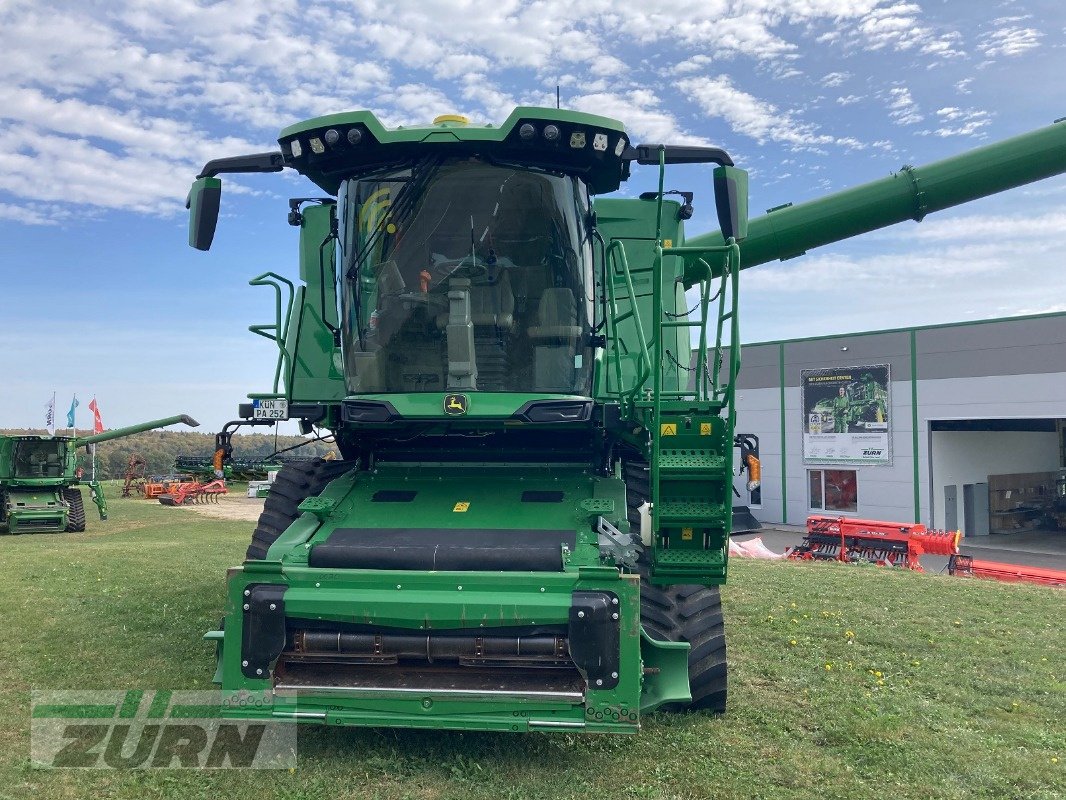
(956,426)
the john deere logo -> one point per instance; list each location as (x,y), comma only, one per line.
(455,404)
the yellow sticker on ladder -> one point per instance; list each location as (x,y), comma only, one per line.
(668,429)
(686,534)
(705,429)
(460,507)
(668,242)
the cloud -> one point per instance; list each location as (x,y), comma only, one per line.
(758,119)
(1008,39)
(959,122)
(902,108)
(834,79)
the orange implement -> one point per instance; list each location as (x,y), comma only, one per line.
(1010,573)
(888,544)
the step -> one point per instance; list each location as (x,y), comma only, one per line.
(695,510)
(688,566)
(690,459)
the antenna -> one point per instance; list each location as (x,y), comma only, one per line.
(557,95)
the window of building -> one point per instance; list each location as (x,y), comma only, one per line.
(833,489)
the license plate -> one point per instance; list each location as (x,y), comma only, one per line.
(270,409)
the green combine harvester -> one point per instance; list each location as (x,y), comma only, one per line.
(530,523)
(39,479)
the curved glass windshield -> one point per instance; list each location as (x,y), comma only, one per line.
(39,458)
(463,275)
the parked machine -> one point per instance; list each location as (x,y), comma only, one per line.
(39,479)
(529,525)
(868,541)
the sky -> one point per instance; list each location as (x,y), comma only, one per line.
(108,111)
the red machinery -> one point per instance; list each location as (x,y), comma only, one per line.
(890,544)
(193,492)
(1010,573)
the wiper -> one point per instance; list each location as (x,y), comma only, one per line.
(400,208)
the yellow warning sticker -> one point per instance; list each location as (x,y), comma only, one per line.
(668,242)
(460,507)
(686,534)
(668,429)
(705,429)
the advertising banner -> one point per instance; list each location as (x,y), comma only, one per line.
(846,415)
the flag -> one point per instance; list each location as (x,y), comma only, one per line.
(70,414)
(98,424)
(50,416)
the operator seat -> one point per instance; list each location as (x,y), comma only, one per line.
(555,340)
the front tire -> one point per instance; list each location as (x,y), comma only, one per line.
(293,484)
(76,510)
(682,613)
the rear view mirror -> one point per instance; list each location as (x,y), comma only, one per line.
(203,203)
(731,201)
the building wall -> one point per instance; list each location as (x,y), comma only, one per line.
(995,369)
(961,457)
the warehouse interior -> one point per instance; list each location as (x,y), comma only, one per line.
(999,476)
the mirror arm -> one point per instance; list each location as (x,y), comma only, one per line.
(257,162)
(677,154)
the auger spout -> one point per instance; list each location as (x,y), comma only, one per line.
(911,193)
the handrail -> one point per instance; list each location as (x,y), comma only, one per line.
(644,363)
(277,331)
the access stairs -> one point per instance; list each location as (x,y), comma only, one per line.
(686,410)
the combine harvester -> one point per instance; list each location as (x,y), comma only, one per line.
(530,522)
(39,479)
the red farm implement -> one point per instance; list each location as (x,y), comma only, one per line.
(189,492)
(1009,573)
(888,544)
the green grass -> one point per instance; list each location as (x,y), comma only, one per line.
(845,682)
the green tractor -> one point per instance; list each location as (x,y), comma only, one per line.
(530,522)
(39,479)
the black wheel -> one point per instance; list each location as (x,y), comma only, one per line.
(293,484)
(682,613)
(76,512)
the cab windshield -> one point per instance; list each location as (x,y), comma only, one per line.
(466,275)
(34,458)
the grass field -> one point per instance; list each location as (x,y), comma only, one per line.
(845,682)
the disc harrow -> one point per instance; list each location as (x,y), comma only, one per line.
(192,492)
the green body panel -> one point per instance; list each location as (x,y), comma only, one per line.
(31,490)
(490,497)
(911,193)
(632,223)
(314,356)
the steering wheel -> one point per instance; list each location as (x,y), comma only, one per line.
(469,267)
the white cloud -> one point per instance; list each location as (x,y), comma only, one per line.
(1009,39)
(902,108)
(762,121)
(834,79)
(960,122)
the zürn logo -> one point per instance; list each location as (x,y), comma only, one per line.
(146,729)
(455,404)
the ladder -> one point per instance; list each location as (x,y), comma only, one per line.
(690,429)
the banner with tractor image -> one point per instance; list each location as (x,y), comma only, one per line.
(846,415)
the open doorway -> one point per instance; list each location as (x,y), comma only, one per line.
(999,476)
